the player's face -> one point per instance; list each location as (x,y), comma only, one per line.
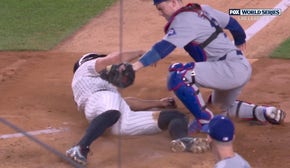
(165,9)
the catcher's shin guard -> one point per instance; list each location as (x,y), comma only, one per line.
(181,80)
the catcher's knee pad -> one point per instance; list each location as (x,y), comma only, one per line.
(180,74)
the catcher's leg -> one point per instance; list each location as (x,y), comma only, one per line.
(181,81)
(260,113)
(243,110)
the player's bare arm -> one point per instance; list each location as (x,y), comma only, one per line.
(138,104)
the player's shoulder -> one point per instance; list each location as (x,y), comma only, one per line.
(186,15)
(206,7)
(187,18)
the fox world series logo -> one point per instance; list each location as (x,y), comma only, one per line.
(256,12)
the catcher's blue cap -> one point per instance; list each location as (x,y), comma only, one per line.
(156,2)
(221,128)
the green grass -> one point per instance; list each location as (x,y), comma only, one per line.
(283,51)
(42,24)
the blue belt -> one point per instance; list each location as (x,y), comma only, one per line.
(239,52)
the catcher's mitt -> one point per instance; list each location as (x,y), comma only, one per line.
(121,75)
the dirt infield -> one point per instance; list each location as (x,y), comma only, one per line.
(36,95)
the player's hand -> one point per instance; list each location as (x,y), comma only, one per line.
(168,102)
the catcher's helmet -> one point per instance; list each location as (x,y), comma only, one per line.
(85,58)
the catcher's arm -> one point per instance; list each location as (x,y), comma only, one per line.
(116,58)
(138,104)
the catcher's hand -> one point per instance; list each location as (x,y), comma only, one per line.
(121,75)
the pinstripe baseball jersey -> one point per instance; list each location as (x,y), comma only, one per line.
(94,96)
(86,81)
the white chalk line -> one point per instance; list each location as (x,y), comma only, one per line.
(38,132)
